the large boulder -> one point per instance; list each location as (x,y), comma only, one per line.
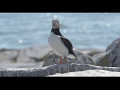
(33,54)
(82,58)
(93,57)
(8,56)
(91,52)
(27,55)
(114,56)
(102,58)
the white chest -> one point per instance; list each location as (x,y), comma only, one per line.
(57,45)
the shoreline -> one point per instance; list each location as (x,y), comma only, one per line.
(33,54)
(29,62)
(31,57)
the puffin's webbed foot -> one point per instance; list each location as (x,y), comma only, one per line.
(60,60)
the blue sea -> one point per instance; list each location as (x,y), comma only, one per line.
(84,30)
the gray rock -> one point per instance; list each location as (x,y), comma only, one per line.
(51,70)
(44,53)
(114,56)
(91,52)
(51,59)
(33,54)
(82,58)
(49,63)
(21,65)
(28,55)
(8,56)
(102,59)
(88,73)
(99,59)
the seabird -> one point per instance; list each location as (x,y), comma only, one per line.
(60,45)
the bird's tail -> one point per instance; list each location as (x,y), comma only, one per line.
(72,55)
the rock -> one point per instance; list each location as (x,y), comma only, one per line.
(99,59)
(102,59)
(82,58)
(44,53)
(28,55)
(91,52)
(51,70)
(88,73)
(51,59)
(21,65)
(33,54)
(8,56)
(114,56)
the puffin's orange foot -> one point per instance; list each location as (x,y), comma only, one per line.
(60,60)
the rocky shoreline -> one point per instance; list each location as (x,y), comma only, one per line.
(42,61)
(54,70)
(33,55)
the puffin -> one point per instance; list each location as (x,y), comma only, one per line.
(59,44)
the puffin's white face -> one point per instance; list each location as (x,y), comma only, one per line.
(55,23)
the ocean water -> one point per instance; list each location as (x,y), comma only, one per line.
(84,30)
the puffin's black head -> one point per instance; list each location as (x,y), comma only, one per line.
(55,27)
(55,24)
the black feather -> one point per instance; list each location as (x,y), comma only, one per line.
(56,31)
(68,44)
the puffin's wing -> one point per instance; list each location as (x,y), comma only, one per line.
(68,44)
